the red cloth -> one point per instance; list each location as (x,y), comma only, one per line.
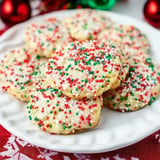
(11,147)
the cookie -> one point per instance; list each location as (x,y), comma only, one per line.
(58,114)
(18,72)
(46,37)
(131,40)
(86,24)
(84,69)
(139,89)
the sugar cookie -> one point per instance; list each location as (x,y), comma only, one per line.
(44,38)
(84,69)
(132,41)
(58,114)
(19,70)
(139,89)
(86,24)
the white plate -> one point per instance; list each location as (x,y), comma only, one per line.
(115,130)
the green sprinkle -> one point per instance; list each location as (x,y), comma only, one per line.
(35,73)
(136,99)
(90,37)
(38,57)
(131,38)
(72,44)
(82,48)
(148,60)
(36,119)
(151,100)
(139,76)
(133,85)
(131,93)
(42,90)
(113,46)
(91,72)
(151,66)
(109,98)
(108,57)
(148,51)
(122,98)
(86,80)
(75,63)
(50,29)
(102,45)
(85,26)
(22,88)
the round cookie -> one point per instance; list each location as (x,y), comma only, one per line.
(84,69)
(139,89)
(19,70)
(131,40)
(86,24)
(58,114)
(44,38)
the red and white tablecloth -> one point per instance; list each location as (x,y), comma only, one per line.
(14,148)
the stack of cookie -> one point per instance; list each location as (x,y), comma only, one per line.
(68,70)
